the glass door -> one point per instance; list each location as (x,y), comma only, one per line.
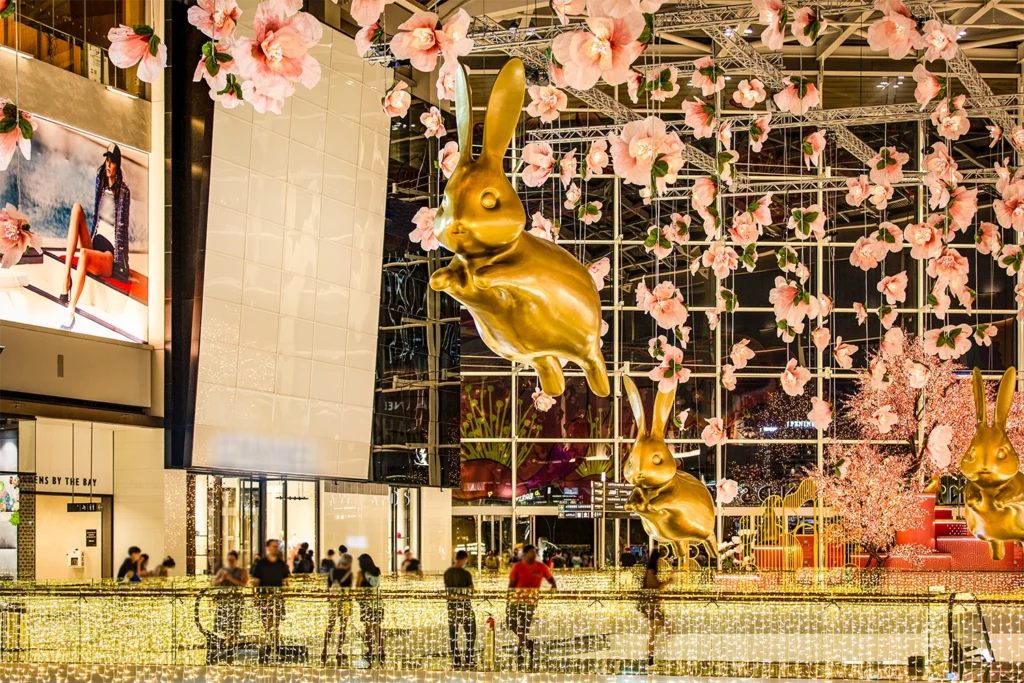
(250,515)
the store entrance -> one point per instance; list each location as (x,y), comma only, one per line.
(242,513)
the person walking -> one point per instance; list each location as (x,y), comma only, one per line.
(228,607)
(524,582)
(371,610)
(458,584)
(341,579)
(268,576)
(650,603)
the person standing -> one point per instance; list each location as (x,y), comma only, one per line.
(228,611)
(371,610)
(410,565)
(129,569)
(558,561)
(268,576)
(524,583)
(627,559)
(299,559)
(327,565)
(459,585)
(650,603)
(341,578)
(163,570)
(492,562)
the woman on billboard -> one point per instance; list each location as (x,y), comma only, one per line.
(102,249)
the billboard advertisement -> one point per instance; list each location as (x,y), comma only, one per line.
(85,200)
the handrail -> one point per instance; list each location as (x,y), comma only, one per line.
(957,653)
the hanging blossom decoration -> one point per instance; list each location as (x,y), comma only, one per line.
(707,76)
(607,50)
(896,31)
(758,130)
(664,304)
(644,154)
(422,39)
(16,236)
(16,129)
(397,100)
(798,97)
(424,232)
(749,93)
(138,44)
(807,26)
(546,102)
(774,15)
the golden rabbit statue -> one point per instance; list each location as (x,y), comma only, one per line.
(994,491)
(674,506)
(532,301)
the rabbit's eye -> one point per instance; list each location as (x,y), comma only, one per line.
(489,199)
(1001,454)
(656,460)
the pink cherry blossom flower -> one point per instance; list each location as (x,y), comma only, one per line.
(951,341)
(759,130)
(924,239)
(707,76)
(939,302)
(807,26)
(656,346)
(264,99)
(821,413)
(963,206)
(792,303)
(710,221)
(825,304)
(749,93)
(678,229)
(663,83)
(887,166)
(434,123)
(988,239)
(741,353)
(949,268)
(1010,208)
(798,97)
(607,50)
(729,377)
(371,35)
(929,86)
(894,287)
(657,243)
(938,192)
(567,168)
(744,231)
(896,32)
(20,127)
(862,313)
(887,315)
(724,134)
(590,213)
(714,434)
(843,353)
(794,378)
(448,158)
(665,304)
(16,236)
(821,337)
(937,448)
(671,370)
(917,374)
(995,132)
(940,165)
(1017,137)
(892,342)
(278,56)
(542,402)
(704,192)
(950,123)
(879,195)
(564,8)
(889,238)
(421,41)
(808,221)
(643,150)
(1010,258)
(543,228)
(700,116)
(726,490)
(984,333)
(215,18)
(722,259)
(858,190)
(774,15)
(139,45)
(572,197)
(597,158)
(884,419)
(397,100)
(367,12)
(540,162)
(812,147)
(599,270)
(446,79)
(682,336)
(760,210)
(547,102)
(424,232)
(634,82)
(939,40)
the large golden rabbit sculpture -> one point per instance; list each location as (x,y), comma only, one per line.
(674,506)
(994,492)
(533,302)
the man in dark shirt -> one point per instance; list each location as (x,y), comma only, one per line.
(459,584)
(627,559)
(268,576)
(130,567)
(558,561)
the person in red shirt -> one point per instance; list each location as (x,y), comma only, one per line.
(524,581)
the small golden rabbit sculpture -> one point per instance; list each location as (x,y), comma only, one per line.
(674,506)
(532,301)
(994,491)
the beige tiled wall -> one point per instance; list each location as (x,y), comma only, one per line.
(292,290)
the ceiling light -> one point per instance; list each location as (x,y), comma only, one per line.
(900,77)
(728,78)
(962,33)
(747,31)
(123,93)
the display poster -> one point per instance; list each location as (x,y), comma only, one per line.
(86,199)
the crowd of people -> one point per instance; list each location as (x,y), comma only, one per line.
(270,571)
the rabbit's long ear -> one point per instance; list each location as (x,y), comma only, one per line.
(664,404)
(1004,399)
(504,108)
(464,112)
(980,403)
(637,404)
